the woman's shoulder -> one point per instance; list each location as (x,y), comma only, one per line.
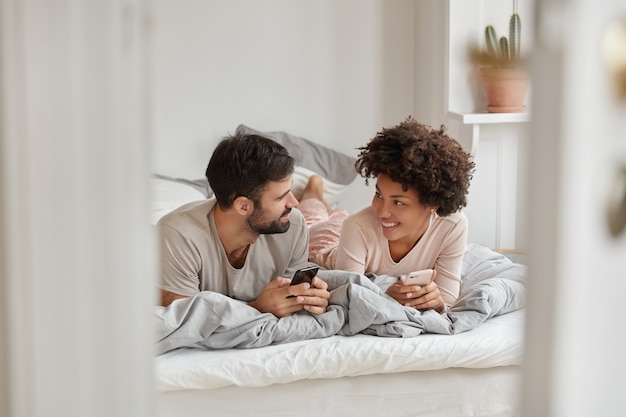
(454,226)
(456,218)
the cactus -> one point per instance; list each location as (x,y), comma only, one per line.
(504,53)
(515,30)
(492,42)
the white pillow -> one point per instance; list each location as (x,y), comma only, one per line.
(169,195)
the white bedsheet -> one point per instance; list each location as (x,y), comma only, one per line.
(497,342)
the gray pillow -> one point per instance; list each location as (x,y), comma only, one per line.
(201,184)
(330,164)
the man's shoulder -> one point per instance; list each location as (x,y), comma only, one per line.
(298,225)
(190,215)
(296,217)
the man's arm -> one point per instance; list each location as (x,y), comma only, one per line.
(168,297)
(179,263)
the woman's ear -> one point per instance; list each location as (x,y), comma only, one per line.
(243,205)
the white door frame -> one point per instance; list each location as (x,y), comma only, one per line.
(574,360)
(77,263)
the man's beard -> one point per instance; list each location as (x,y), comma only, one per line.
(258,224)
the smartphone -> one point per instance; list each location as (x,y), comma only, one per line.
(304,275)
(422,277)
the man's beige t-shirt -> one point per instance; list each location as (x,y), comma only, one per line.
(192,257)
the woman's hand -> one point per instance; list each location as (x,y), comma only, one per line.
(419,297)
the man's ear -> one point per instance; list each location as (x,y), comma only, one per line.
(243,205)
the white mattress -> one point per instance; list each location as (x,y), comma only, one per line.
(496,343)
(452,392)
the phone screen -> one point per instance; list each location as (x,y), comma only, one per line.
(304,275)
(422,277)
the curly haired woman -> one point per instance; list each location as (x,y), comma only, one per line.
(415,219)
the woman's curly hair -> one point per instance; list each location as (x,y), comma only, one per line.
(423,159)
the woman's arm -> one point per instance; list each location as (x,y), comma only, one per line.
(450,261)
(352,249)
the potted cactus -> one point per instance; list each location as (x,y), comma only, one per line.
(502,69)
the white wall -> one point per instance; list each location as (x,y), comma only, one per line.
(431,36)
(331,71)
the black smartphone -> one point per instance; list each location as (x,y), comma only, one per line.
(304,275)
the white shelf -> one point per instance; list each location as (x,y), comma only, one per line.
(469,129)
(489,118)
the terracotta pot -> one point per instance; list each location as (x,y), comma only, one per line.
(505,88)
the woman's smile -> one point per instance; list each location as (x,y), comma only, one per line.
(388,226)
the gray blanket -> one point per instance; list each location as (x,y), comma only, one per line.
(491,285)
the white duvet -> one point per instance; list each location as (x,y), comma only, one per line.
(497,342)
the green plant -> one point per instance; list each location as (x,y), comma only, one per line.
(503,52)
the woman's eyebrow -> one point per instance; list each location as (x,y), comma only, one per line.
(393,196)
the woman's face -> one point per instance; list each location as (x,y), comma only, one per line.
(402,216)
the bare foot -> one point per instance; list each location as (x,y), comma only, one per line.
(315,189)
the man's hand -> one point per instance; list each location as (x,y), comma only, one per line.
(282,299)
(421,298)
(316,297)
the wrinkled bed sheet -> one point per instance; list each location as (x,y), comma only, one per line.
(491,285)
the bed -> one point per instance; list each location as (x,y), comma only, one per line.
(367,356)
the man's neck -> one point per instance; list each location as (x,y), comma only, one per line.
(235,235)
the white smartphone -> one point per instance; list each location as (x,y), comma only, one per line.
(421,278)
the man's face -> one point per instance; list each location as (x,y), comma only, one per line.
(271,213)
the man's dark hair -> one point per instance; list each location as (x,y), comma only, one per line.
(242,165)
(423,159)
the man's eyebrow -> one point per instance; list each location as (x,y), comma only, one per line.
(284,194)
(288,191)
